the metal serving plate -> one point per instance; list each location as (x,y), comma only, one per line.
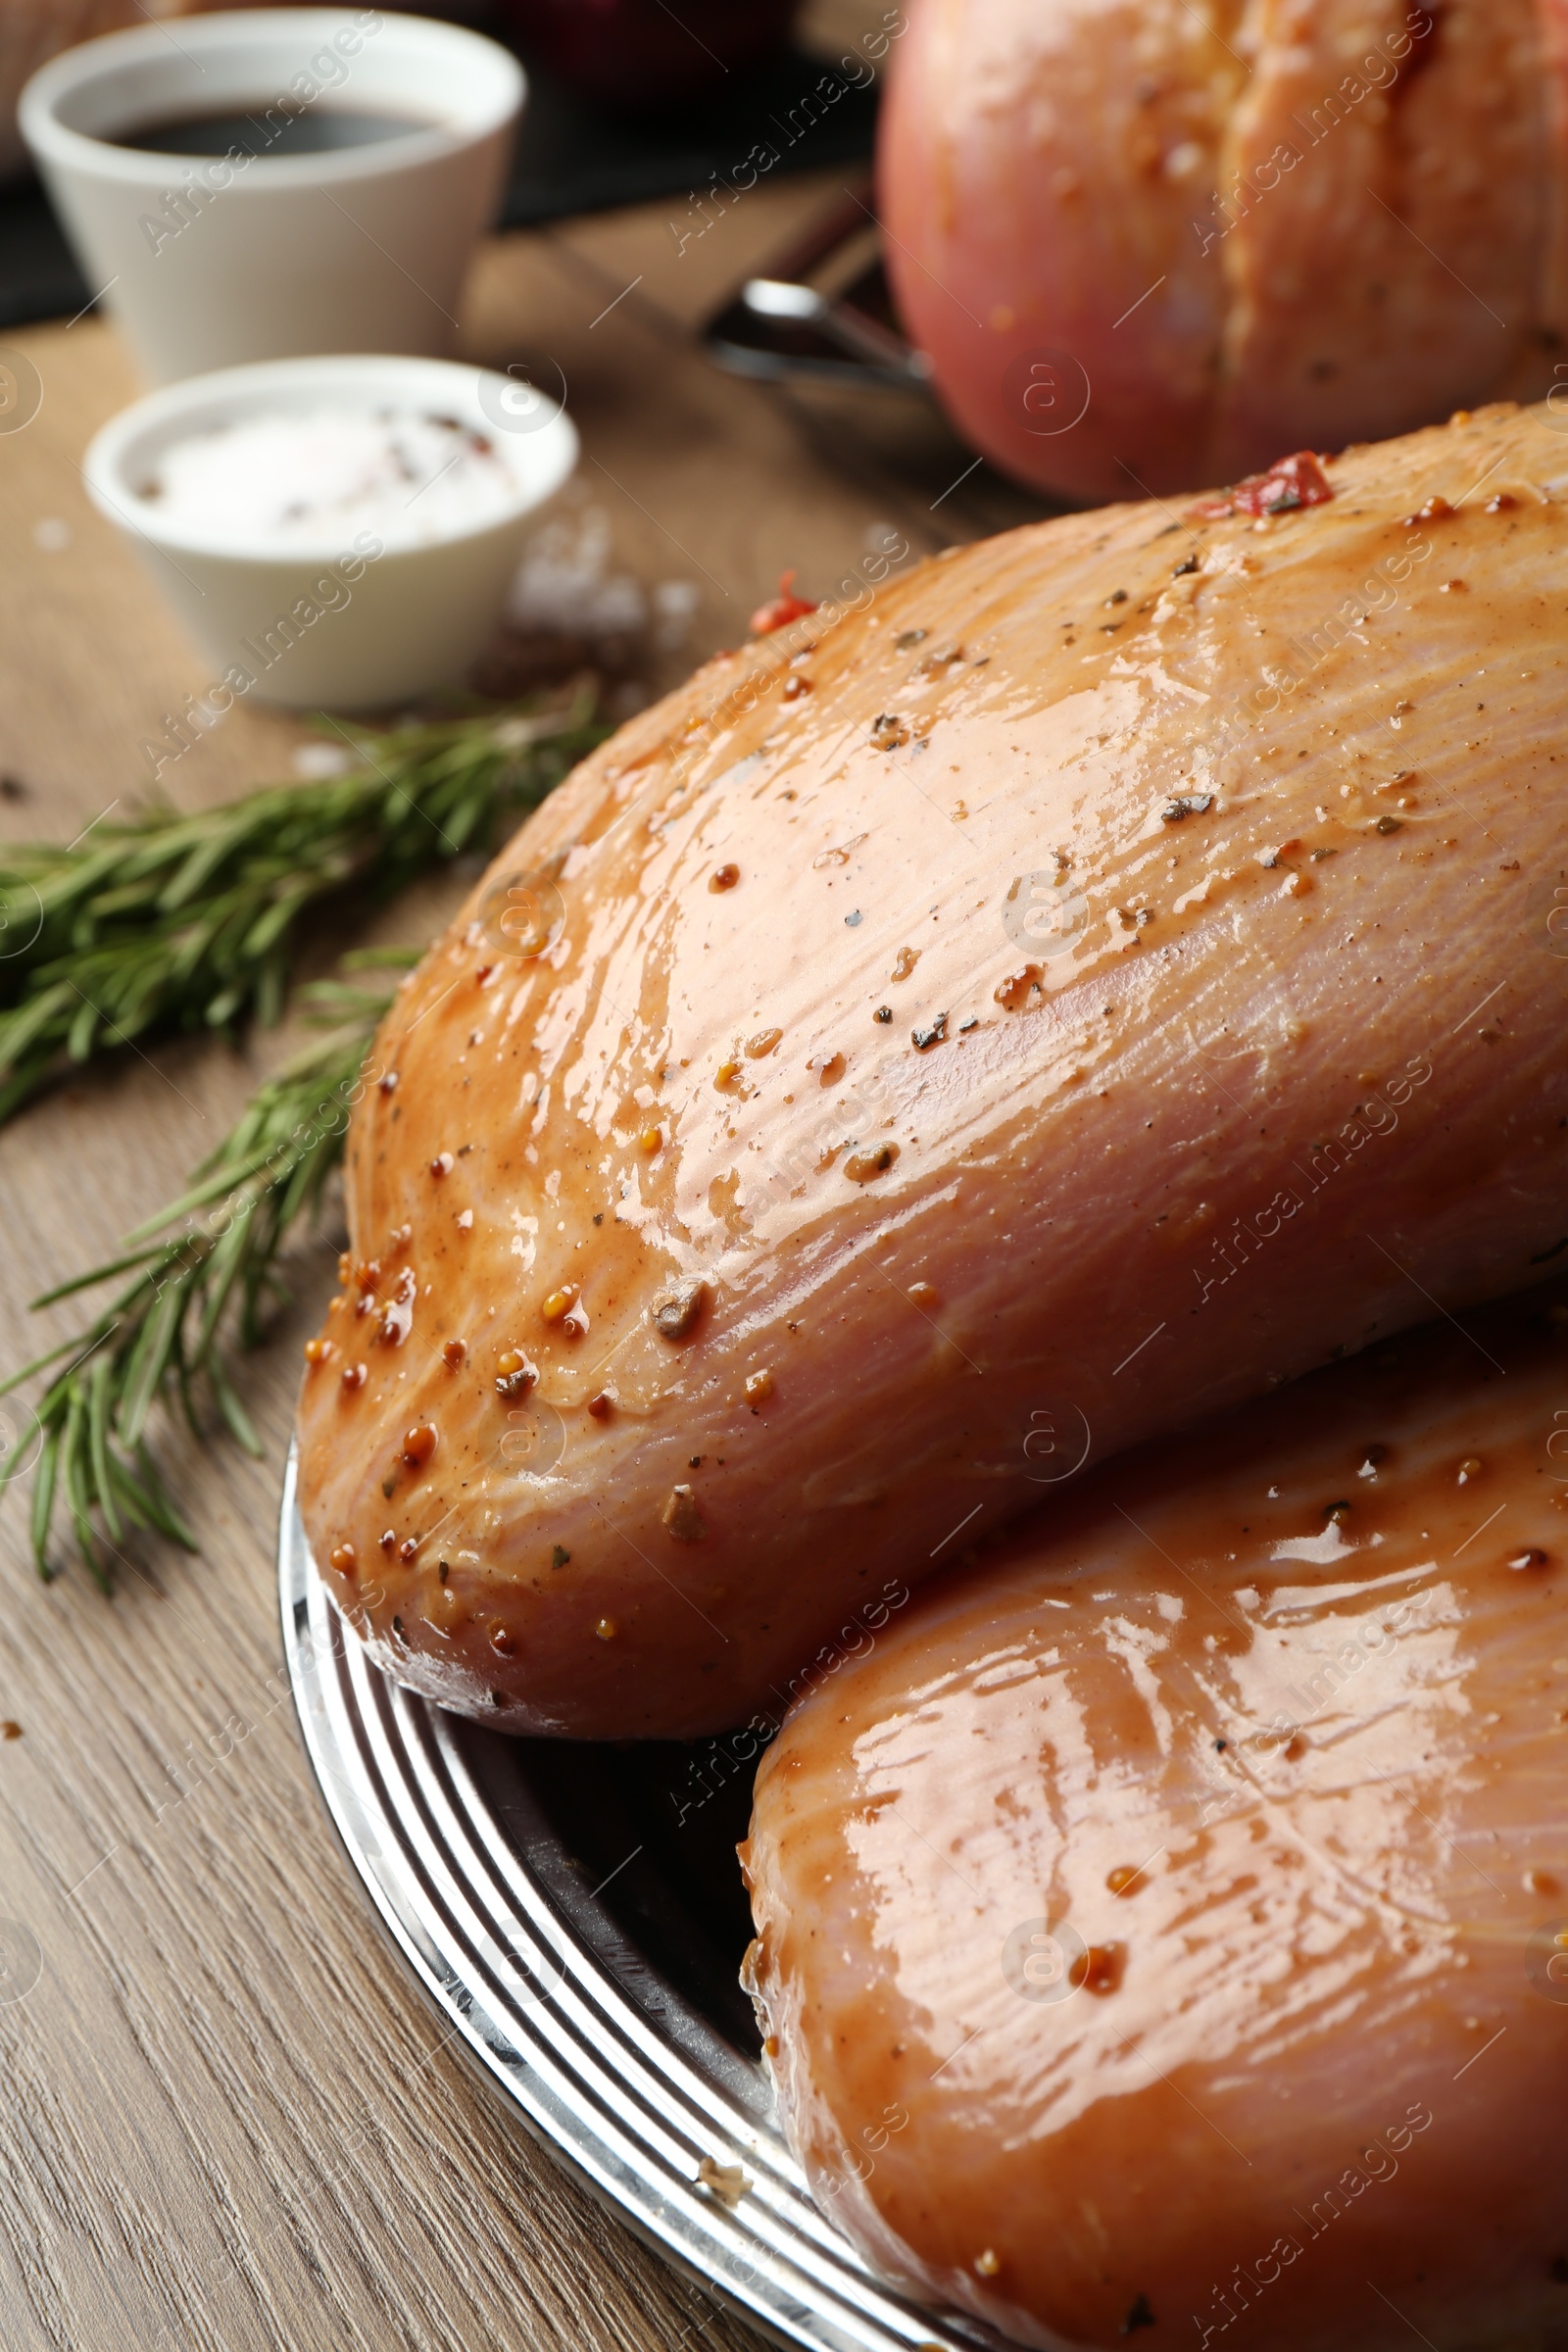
(576,1913)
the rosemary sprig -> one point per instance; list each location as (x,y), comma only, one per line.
(173,921)
(193,1292)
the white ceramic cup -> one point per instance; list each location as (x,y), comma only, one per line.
(208,262)
(323,623)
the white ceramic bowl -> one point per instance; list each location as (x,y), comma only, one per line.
(205,262)
(327,623)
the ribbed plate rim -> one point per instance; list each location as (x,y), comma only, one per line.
(629,2118)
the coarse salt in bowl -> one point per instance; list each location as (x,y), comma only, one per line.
(337,531)
(283,477)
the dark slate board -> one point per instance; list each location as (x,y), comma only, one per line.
(570,158)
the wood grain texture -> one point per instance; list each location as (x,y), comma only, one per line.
(228,2121)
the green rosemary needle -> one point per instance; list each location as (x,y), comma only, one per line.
(192,1294)
(173,921)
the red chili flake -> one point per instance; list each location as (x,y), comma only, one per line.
(601,1405)
(453,1353)
(419,1444)
(442,1164)
(388,1538)
(1290,483)
(1503,502)
(785,608)
(355,1376)
(408,1547)
(388,1082)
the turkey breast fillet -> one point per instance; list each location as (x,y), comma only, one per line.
(1166,1924)
(1110,971)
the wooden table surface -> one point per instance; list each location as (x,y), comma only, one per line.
(226,2120)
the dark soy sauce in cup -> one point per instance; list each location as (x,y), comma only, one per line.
(273,130)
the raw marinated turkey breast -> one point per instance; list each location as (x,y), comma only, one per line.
(1165,1926)
(1142,235)
(1104,976)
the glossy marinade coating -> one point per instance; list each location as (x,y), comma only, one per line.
(1166,1923)
(1103,975)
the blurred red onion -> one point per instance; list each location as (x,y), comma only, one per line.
(634,55)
